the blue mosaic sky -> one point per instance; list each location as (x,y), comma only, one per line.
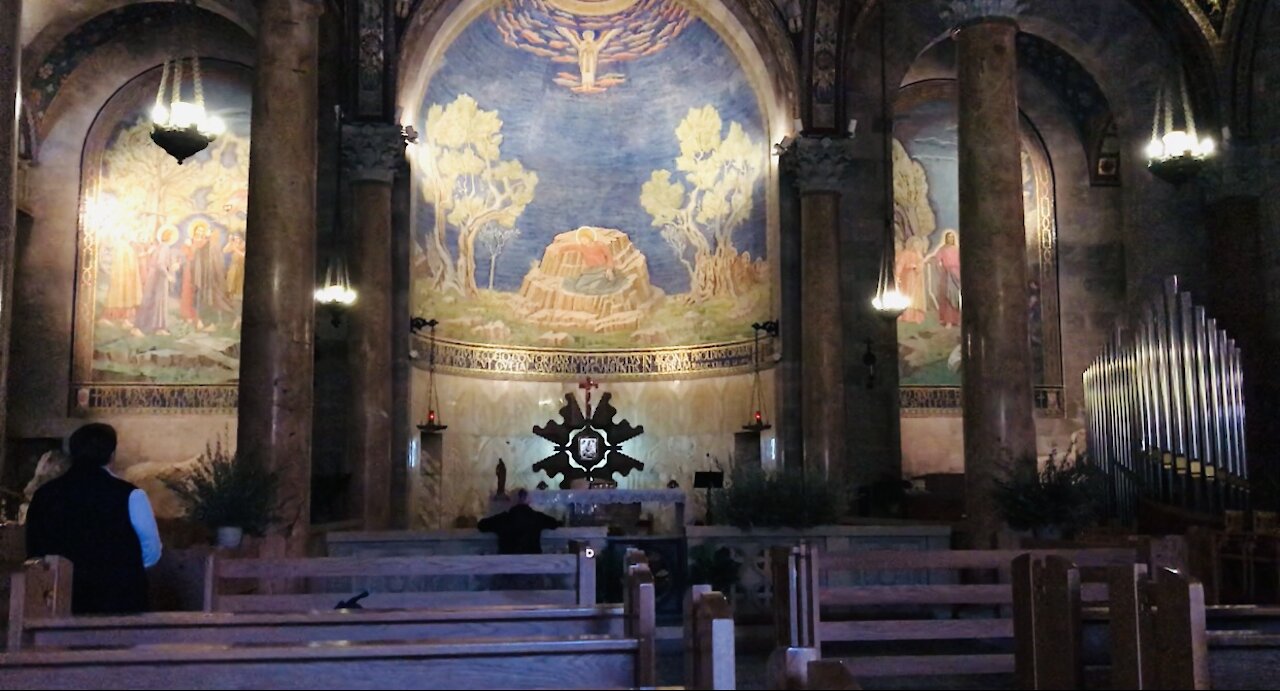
(593,152)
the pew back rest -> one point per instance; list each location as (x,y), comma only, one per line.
(548,663)
(307,584)
(844,598)
(709,643)
(40,589)
(41,628)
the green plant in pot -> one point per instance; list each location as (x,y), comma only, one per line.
(1053,501)
(229,495)
(755,498)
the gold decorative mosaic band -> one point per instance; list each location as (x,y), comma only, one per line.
(930,401)
(155,399)
(547,364)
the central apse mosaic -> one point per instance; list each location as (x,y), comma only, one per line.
(591,179)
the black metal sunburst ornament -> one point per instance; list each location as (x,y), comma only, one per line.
(587,446)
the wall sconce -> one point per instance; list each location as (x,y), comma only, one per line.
(785,145)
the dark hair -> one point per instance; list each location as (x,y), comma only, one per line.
(93,445)
(522,496)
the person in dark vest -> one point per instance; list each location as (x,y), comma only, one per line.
(101,523)
(519,529)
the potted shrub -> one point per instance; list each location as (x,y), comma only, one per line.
(227,494)
(781,499)
(1054,501)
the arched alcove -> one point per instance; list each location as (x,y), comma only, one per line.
(160,252)
(594,193)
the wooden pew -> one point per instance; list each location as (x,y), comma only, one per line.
(442,581)
(550,663)
(1048,638)
(213,628)
(806,605)
(42,620)
(1156,627)
(529,648)
(709,659)
(40,590)
(544,662)
(1158,636)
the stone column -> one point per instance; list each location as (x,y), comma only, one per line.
(818,166)
(276,340)
(999,427)
(371,153)
(401,368)
(10,54)
(1236,291)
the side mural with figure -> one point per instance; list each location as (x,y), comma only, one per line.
(927,238)
(583,189)
(161,254)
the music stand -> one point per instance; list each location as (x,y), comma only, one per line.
(708,480)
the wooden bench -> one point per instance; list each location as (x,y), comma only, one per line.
(271,585)
(226,649)
(40,618)
(812,609)
(1156,627)
(549,663)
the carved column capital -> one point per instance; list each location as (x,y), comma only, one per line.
(961,13)
(820,164)
(372,151)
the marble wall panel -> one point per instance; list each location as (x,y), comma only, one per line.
(689,426)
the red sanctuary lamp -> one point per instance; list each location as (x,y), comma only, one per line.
(758,422)
(432,423)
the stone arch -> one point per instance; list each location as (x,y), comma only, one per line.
(65,46)
(1127,48)
(1099,34)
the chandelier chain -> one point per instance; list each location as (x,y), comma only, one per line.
(164,82)
(195,75)
(1186,105)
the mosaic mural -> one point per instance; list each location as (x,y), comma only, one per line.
(591,178)
(927,242)
(162,247)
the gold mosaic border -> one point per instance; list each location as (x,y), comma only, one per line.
(549,364)
(208,399)
(945,401)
